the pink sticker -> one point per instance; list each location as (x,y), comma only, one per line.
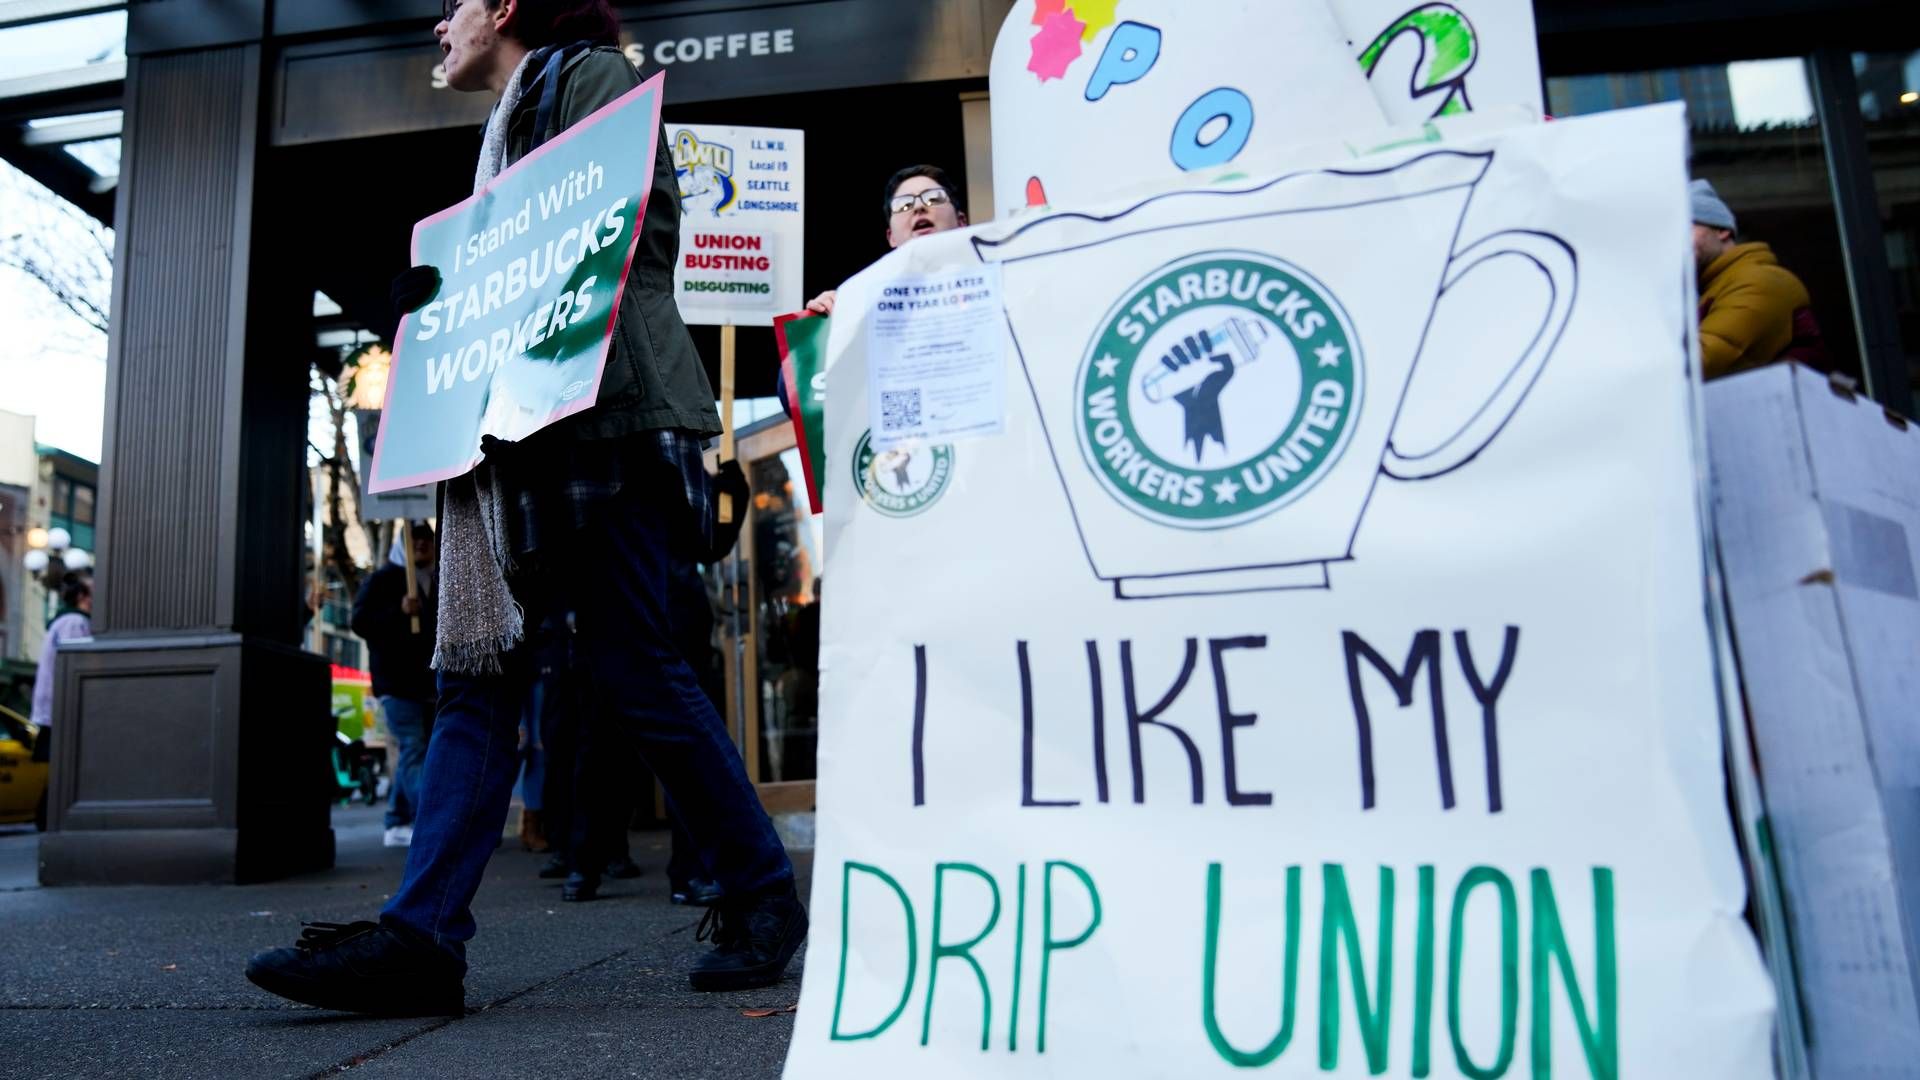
(1056,46)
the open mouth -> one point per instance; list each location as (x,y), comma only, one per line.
(923,226)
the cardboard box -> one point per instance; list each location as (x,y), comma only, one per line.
(1816,501)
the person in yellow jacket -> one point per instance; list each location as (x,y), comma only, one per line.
(1753,311)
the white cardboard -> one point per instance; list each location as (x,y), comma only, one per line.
(1280,73)
(1817,504)
(1554,494)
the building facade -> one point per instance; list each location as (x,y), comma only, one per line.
(307,138)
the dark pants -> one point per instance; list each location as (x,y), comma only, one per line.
(587,794)
(616,588)
(409,722)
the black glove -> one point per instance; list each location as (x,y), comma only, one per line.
(730,481)
(412,289)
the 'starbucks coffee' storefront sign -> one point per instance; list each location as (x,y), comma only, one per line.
(532,270)
(1314,678)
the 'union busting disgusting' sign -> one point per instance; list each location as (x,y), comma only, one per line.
(532,268)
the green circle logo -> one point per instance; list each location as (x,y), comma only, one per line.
(1219,389)
(904,481)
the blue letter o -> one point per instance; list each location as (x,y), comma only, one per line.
(1189,152)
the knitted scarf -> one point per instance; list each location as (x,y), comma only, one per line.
(479,619)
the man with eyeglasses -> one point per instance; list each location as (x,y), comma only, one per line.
(921,200)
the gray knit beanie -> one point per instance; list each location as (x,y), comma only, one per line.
(1708,209)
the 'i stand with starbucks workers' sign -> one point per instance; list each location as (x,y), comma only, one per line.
(1312,675)
(533,268)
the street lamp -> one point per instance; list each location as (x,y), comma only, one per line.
(51,555)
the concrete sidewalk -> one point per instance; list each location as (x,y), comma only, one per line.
(147,981)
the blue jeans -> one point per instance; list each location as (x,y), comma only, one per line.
(407,720)
(623,654)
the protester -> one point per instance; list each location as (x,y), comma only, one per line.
(401,656)
(597,782)
(72,622)
(1753,311)
(921,200)
(689,867)
(583,518)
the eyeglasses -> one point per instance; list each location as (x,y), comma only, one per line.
(930,198)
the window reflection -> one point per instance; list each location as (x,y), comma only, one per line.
(39,48)
(1890,105)
(1757,138)
(786,588)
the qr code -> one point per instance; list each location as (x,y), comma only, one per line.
(899,409)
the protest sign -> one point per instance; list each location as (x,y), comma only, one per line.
(1163,88)
(1168,89)
(742,223)
(533,268)
(803,358)
(1316,674)
(404,504)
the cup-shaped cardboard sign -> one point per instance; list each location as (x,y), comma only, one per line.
(1244,360)
(1092,100)
(1096,99)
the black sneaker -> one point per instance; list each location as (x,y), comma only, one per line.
(699,892)
(623,868)
(556,867)
(753,942)
(580,887)
(362,967)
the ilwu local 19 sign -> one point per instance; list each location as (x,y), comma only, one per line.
(742,223)
(532,269)
(1314,676)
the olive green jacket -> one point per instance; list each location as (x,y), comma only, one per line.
(653,375)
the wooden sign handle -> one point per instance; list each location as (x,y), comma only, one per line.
(726,508)
(406,559)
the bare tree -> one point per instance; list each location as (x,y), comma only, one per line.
(57,246)
(341,476)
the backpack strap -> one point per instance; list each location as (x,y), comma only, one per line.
(556,59)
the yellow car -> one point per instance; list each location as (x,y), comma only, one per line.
(23,781)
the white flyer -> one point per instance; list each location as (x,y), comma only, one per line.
(938,370)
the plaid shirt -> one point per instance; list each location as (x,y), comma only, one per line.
(557,491)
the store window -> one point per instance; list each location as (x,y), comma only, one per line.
(785,548)
(1889,86)
(1757,137)
(62,44)
(72,510)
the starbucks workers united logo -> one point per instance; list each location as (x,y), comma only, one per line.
(904,481)
(1219,389)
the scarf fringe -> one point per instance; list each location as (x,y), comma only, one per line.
(476,657)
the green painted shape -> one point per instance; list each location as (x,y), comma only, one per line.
(1449,49)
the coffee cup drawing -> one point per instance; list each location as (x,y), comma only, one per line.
(1246,377)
